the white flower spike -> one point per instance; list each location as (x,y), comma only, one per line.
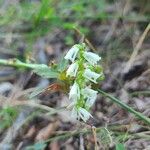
(72,53)
(84,114)
(74,92)
(90,75)
(90,96)
(72,70)
(81,96)
(92,58)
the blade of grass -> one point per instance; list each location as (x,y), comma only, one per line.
(137,93)
(126,107)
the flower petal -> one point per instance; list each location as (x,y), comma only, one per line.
(90,75)
(87,92)
(72,53)
(92,58)
(84,114)
(72,70)
(74,92)
(90,96)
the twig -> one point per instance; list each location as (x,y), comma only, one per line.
(33,104)
(85,39)
(137,48)
(95,137)
(81,142)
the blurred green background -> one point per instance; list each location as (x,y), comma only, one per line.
(111,26)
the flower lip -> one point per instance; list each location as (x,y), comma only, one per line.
(72,70)
(92,58)
(72,53)
(90,75)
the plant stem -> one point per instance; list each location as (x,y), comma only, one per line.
(136,93)
(17,63)
(126,107)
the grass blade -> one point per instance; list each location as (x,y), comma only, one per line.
(126,107)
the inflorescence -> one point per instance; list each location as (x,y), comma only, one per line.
(84,73)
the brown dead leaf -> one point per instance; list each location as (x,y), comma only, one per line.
(47,131)
(54,146)
(49,49)
(30,132)
(69,147)
(140,83)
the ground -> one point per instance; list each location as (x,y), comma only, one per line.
(42,32)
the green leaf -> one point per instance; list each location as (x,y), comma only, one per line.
(36,92)
(6,116)
(69,25)
(62,65)
(45,72)
(69,40)
(37,146)
(44,10)
(120,146)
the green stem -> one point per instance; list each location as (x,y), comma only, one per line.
(136,93)
(126,107)
(17,63)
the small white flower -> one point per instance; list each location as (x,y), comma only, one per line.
(90,75)
(72,53)
(90,96)
(92,58)
(87,92)
(84,114)
(74,92)
(72,70)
